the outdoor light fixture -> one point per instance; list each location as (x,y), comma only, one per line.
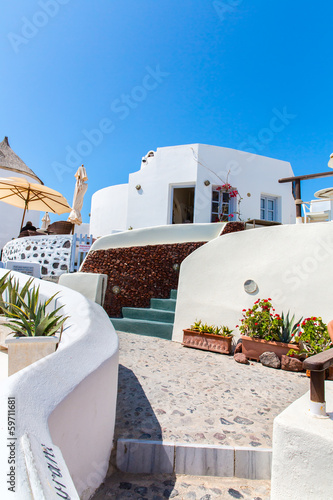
(115,289)
(250,286)
(330,163)
(207,182)
(138,187)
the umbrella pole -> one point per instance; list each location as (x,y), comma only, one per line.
(25,209)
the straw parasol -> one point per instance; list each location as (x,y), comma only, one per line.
(20,193)
(79,192)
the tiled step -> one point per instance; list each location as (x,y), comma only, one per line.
(143,327)
(164,304)
(148,314)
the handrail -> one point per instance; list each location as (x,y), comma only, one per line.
(317,365)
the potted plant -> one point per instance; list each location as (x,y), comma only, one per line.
(264,330)
(208,337)
(9,287)
(313,338)
(34,328)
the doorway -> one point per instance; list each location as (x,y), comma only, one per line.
(183,205)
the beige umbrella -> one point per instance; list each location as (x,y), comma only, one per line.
(79,192)
(20,193)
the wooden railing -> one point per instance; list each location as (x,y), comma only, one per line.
(317,365)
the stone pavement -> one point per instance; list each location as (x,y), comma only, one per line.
(159,487)
(174,393)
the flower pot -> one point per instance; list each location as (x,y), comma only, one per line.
(207,341)
(23,351)
(253,348)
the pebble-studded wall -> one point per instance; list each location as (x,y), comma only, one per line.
(52,252)
(137,274)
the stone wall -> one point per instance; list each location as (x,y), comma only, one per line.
(52,252)
(137,274)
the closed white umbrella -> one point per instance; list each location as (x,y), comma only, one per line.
(45,221)
(79,192)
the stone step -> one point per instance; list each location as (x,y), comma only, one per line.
(161,486)
(148,314)
(143,327)
(173,294)
(164,304)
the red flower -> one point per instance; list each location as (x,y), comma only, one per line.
(255,323)
(236,326)
(269,298)
(314,319)
(244,309)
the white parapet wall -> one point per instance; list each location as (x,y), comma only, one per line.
(291,264)
(303,452)
(64,408)
(159,235)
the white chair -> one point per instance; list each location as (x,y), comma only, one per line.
(310,216)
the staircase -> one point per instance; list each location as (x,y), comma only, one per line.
(156,321)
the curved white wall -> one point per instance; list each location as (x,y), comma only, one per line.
(292,264)
(11,217)
(65,402)
(159,235)
(109,210)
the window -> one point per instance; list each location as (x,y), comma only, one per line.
(223,206)
(268,208)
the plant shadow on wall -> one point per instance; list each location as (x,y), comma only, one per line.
(135,419)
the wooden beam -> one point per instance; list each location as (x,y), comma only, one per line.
(304,177)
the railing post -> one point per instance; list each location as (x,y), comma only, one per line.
(317,393)
(317,365)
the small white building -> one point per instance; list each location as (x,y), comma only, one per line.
(12,166)
(195,183)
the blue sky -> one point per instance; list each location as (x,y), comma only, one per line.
(101,83)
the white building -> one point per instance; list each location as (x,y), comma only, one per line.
(195,183)
(12,166)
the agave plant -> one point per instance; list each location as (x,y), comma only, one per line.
(30,319)
(196,326)
(289,328)
(15,297)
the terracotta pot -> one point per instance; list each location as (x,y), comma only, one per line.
(207,341)
(253,348)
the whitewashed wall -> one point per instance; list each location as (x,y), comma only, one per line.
(250,174)
(66,403)
(160,235)
(292,264)
(151,205)
(189,166)
(109,210)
